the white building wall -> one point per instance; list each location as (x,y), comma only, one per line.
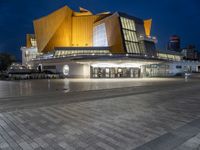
(183,66)
(28,54)
(76,70)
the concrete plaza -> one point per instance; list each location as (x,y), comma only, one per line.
(149,114)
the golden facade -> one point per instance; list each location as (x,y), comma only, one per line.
(82,30)
(67,28)
(54,29)
(147,26)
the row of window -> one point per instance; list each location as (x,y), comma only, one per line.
(132,47)
(49,67)
(169,56)
(34,55)
(178,67)
(128,24)
(130,35)
(80,52)
(185,68)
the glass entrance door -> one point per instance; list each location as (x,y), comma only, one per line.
(115,72)
(107,72)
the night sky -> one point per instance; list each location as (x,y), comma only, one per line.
(180,17)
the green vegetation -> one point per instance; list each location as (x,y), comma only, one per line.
(6,60)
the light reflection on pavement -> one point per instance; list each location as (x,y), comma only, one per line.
(38,87)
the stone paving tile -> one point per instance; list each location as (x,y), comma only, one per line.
(191,144)
(169,118)
(183,138)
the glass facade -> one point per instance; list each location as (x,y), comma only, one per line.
(62,53)
(99,35)
(114,72)
(130,36)
(156,70)
(128,24)
(169,56)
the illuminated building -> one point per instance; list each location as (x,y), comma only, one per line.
(190,53)
(104,45)
(174,43)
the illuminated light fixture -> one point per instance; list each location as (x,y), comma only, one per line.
(129,65)
(112,65)
(110,54)
(103,65)
(66,70)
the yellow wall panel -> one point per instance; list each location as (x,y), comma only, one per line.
(66,28)
(61,38)
(82,30)
(46,27)
(147,26)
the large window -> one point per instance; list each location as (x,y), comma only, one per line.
(130,36)
(63,53)
(132,47)
(128,24)
(169,56)
(99,35)
(33,42)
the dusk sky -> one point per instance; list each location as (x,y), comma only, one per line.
(180,17)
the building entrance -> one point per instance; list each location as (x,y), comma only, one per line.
(115,72)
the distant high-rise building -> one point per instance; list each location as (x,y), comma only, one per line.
(174,43)
(190,53)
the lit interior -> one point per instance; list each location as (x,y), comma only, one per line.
(112,65)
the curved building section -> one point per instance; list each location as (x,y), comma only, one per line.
(65,28)
(121,32)
(103,45)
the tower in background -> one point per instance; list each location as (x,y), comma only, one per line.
(174,43)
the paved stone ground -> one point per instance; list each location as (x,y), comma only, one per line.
(161,117)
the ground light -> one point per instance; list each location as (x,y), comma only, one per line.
(66,70)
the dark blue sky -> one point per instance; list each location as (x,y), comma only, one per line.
(180,17)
